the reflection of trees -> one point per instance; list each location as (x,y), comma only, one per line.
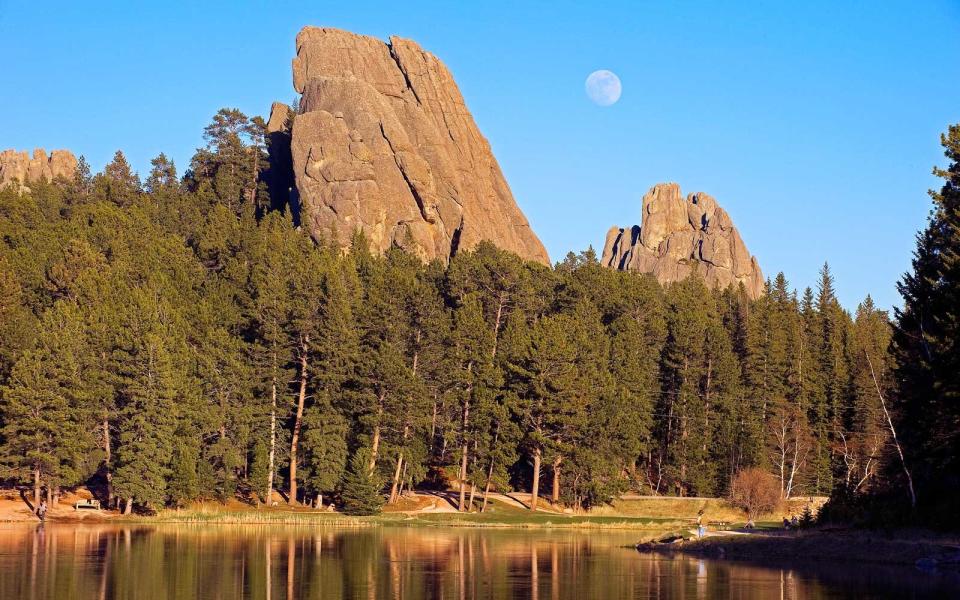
(303,563)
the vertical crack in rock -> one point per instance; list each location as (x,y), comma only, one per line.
(413,189)
(406,77)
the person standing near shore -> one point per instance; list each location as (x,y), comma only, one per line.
(42,510)
(700,529)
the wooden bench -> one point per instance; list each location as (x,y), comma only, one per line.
(87,505)
(719,525)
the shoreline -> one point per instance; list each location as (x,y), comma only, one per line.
(920,549)
(649,516)
(651,525)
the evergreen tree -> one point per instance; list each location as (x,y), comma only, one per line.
(163,176)
(118,183)
(925,344)
(360,490)
(682,368)
(46,409)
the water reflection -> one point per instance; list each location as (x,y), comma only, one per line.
(186,562)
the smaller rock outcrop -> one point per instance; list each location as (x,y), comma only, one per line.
(19,168)
(677,237)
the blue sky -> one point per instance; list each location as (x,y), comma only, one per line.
(816,126)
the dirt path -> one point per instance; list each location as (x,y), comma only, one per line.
(15,508)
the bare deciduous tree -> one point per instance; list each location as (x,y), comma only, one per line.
(789,445)
(755,491)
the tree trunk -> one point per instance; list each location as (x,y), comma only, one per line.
(375,441)
(473,492)
(893,434)
(273,439)
(486,488)
(36,487)
(463,477)
(256,176)
(536,479)
(496,324)
(298,419)
(107,460)
(466,444)
(396,479)
(433,426)
(555,497)
(486,491)
(128,506)
(403,480)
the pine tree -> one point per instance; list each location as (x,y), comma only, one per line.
(325,446)
(360,490)
(184,479)
(148,383)
(231,163)
(163,176)
(472,343)
(118,183)
(682,369)
(926,346)
(46,406)
(16,321)
(865,435)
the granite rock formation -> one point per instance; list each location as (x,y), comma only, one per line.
(281,183)
(19,168)
(383,142)
(677,237)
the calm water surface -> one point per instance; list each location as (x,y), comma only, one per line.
(278,562)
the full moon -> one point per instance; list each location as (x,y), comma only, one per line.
(603,87)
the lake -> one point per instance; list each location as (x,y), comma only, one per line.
(295,562)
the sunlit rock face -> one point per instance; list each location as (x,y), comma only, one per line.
(21,169)
(384,143)
(680,236)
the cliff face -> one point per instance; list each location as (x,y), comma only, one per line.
(384,142)
(19,168)
(677,237)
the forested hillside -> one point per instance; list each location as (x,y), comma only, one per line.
(179,338)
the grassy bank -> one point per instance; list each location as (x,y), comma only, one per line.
(651,514)
(498,514)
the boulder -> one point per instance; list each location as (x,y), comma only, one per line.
(680,236)
(383,142)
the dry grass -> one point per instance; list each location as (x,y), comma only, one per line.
(715,509)
(262,516)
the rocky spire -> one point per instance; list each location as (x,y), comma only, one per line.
(19,168)
(384,142)
(677,237)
